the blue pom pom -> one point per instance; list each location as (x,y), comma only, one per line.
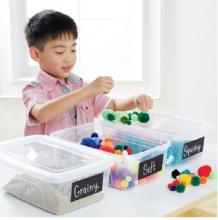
(89,143)
(94,134)
(125,147)
(96,140)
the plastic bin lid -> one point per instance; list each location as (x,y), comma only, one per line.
(175,127)
(51,159)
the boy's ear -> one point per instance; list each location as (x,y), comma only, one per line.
(34,53)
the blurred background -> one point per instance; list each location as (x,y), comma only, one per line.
(164,48)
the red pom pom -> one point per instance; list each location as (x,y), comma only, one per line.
(169,185)
(175,182)
(129,150)
(204,170)
(108,149)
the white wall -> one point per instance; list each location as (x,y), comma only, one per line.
(189,60)
(188,85)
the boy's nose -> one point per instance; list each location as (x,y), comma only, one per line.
(68,60)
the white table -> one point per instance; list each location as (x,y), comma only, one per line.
(153,199)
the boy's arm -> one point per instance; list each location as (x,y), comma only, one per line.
(54,108)
(143,102)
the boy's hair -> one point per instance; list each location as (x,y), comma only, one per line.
(46,25)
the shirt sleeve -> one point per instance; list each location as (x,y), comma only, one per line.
(33,93)
(100,102)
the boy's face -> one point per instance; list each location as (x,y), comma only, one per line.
(58,57)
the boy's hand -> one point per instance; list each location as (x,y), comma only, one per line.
(100,85)
(143,102)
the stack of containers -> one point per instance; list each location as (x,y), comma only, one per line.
(52,174)
(187,136)
(145,164)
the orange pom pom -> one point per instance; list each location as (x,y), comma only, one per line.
(203,180)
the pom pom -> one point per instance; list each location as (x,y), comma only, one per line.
(124,183)
(108,139)
(204,170)
(129,122)
(108,144)
(107,149)
(125,147)
(175,173)
(143,117)
(136,113)
(118,152)
(175,182)
(171,187)
(128,178)
(212,175)
(180,187)
(134,117)
(119,147)
(195,181)
(106,112)
(89,142)
(129,116)
(111,117)
(186,172)
(124,120)
(129,150)
(124,152)
(203,180)
(185,178)
(95,139)
(94,134)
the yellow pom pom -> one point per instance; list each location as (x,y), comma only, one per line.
(118,152)
(185,178)
(124,183)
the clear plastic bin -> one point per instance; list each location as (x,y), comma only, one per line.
(52,174)
(187,136)
(145,164)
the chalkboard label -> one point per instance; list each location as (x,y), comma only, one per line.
(86,187)
(193,147)
(151,166)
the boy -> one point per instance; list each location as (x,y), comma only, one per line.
(59,99)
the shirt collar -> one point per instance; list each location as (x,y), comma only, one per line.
(50,81)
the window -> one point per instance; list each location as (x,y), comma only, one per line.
(119,38)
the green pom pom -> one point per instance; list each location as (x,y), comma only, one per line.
(185,172)
(111,117)
(196,181)
(143,117)
(129,115)
(212,175)
(129,122)
(124,120)
(134,117)
(106,112)
(180,187)
(119,147)
(119,115)
(135,113)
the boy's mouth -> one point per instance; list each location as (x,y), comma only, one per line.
(66,68)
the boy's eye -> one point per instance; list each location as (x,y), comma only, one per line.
(73,51)
(59,53)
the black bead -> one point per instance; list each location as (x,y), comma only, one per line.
(175,173)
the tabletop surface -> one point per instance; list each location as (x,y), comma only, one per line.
(153,199)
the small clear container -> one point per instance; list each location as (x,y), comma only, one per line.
(145,164)
(52,174)
(187,136)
